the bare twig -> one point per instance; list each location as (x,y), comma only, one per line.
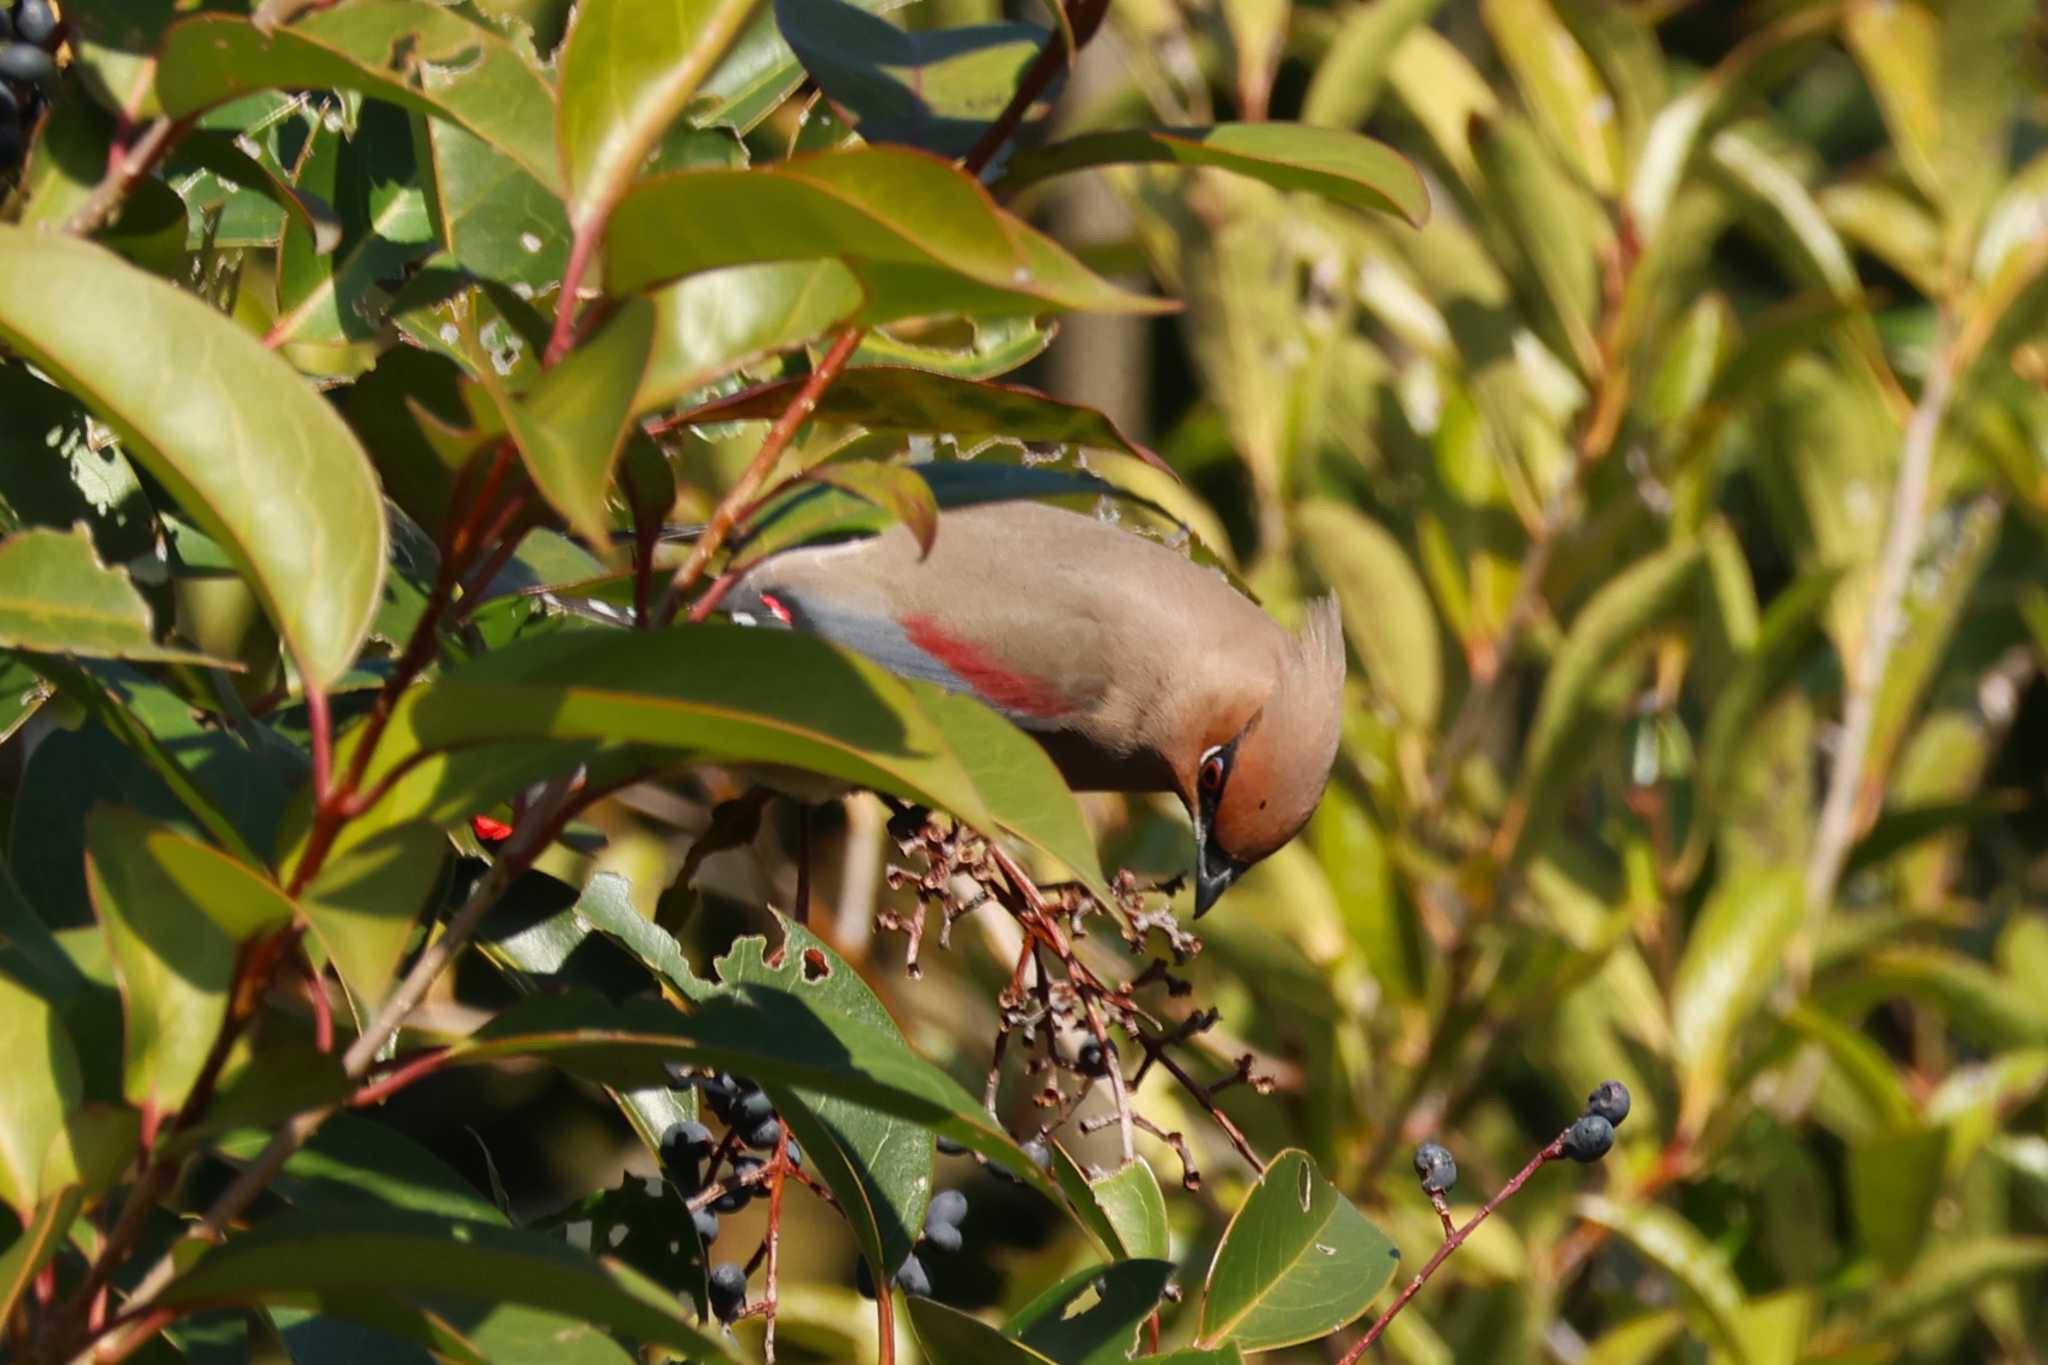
(124,168)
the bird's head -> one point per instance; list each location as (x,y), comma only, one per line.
(1262,764)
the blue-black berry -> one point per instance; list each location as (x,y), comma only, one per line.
(943,1218)
(752,1108)
(728,1290)
(794,1153)
(763,1136)
(1090,1059)
(1589,1138)
(1039,1154)
(29,65)
(1610,1101)
(911,1279)
(1435,1168)
(745,1166)
(36,22)
(706,1223)
(948,1147)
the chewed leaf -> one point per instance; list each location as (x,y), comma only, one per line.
(57,598)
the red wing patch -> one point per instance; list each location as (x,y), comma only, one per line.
(989,680)
(776,609)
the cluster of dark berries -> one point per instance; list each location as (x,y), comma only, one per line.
(942,1220)
(692,1157)
(1435,1168)
(1592,1133)
(29,34)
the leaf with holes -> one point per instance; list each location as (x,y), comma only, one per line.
(1092,1316)
(58,598)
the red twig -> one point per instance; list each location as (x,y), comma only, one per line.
(1551,1152)
(564,333)
(399,1077)
(320,720)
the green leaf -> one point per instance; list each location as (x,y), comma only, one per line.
(1615,622)
(888,398)
(936,89)
(894,488)
(224,424)
(1732,955)
(715,322)
(1670,1241)
(1387,610)
(1355,853)
(44,1230)
(421,56)
(627,69)
(1347,82)
(878,1165)
(1123,1210)
(176,914)
(1950,1274)
(1297,1262)
(58,468)
(1000,345)
(1560,87)
(949,1334)
(1340,166)
(498,221)
(367,898)
(957,253)
(337,1254)
(37,1090)
(729,693)
(1067,1325)
(215,151)
(1554,230)
(57,598)
(1894,1180)
(570,427)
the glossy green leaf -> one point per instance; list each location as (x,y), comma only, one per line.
(337,1254)
(35,1093)
(421,56)
(367,899)
(878,1165)
(893,399)
(1674,1244)
(352,1163)
(955,251)
(57,598)
(1297,1262)
(1122,1210)
(717,321)
(627,69)
(572,424)
(176,914)
(1894,1180)
(1092,1317)
(1388,614)
(1340,166)
(1000,345)
(495,217)
(725,692)
(936,89)
(949,1334)
(1732,955)
(225,425)
(215,151)
(894,488)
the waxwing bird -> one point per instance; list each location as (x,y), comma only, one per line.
(1138,669)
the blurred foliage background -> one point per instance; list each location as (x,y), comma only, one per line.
(1685,481)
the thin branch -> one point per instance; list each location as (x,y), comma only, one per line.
(1882,625)
(124,168)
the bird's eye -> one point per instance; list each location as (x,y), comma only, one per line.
(1212,773)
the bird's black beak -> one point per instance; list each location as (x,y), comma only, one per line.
(1215,870)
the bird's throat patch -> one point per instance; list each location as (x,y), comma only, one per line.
(989,680)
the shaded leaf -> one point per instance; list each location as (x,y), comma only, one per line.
(1347,82)
(366,900)
(57,598)
(1340,166)
(44,1230)
(1067,1325)
(1679,1248)
(1732,955)
(1894,1180)
(1297,1262)
(1948,1276)
(224,424)
(894,488)
(949,1334)
(35,1094)
(1387,611)
(215,151)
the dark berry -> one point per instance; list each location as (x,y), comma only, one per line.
(948,1147)
(732,1201)
(1589,1138)
(35,21)
(944,1236)
(1610,1101)
(763,1136)
(1091,1060)
(948,1207)
(745,1166)
(29,65)
(794,1153)
(911,1279)
(1038,1153)
(719,1090)
(688,1138)
(751,1109)
(10,147)
(1435,1168)
(678,1073)
(728,1291)
(707,1225)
